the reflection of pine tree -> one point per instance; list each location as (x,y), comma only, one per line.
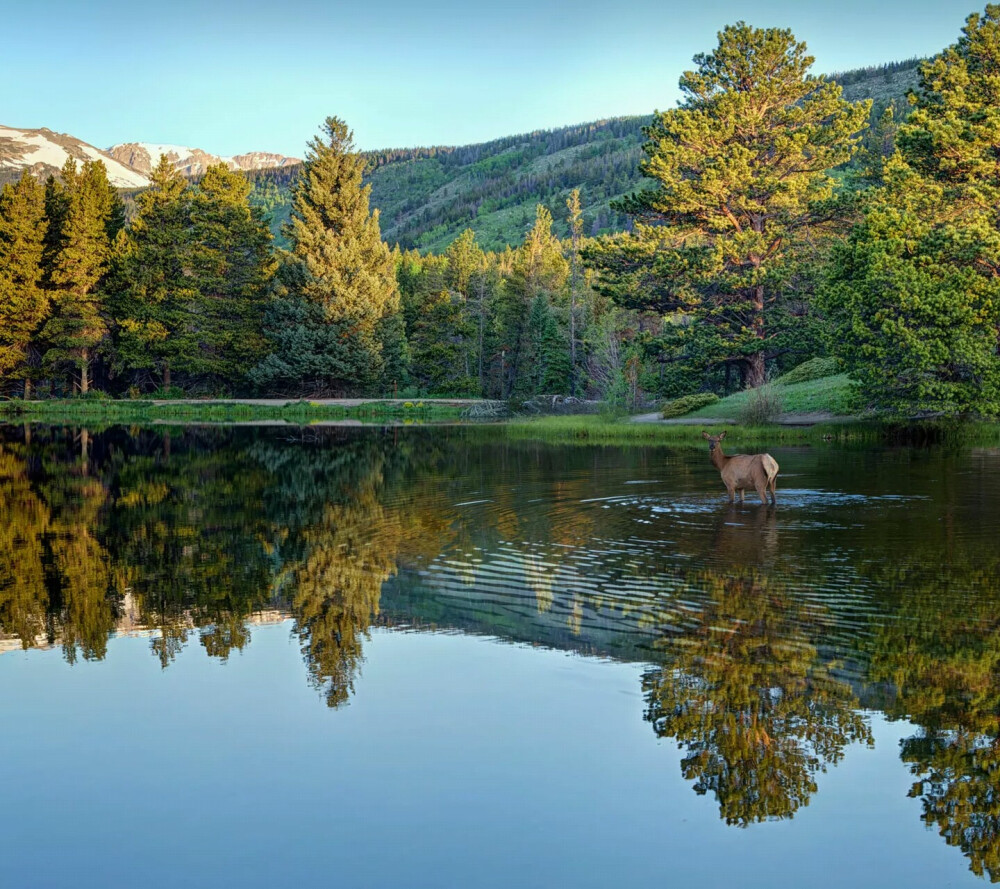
(24,522)
(941,654)
(188,539)
(749,698)
(336,557)
(80,567)
(957,777)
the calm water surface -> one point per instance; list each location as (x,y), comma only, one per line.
(429,658)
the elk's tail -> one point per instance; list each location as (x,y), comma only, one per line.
(770,466)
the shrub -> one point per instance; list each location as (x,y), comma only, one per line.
(813,369)
(687,403)
(763,405)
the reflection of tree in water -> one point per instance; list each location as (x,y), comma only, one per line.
(336,559)
(24,522)
(744,690)
(54,570)
(80,586)
(188,540)
(342,523)
(941,653)
(196,532)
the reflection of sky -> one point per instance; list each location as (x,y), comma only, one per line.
(255,75)
(459,762)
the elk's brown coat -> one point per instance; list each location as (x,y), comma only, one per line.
(741,471)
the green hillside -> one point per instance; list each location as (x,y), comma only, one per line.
(427,196)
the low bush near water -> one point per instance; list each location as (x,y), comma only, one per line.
(688,403)
(763,406)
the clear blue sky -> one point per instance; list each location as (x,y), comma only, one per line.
(233,77)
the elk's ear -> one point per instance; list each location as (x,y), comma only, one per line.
(704,434)
(722,435)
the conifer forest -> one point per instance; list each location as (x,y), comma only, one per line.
(773,216)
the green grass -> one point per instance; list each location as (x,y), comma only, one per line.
(596,430)
(828,395)
(87,410)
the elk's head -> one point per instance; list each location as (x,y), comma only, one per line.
(713,440)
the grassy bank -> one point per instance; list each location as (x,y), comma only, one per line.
(595,429)
(601,430)
(829,395)
(110,411)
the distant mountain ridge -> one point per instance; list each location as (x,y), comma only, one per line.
(43,152)
(144,156)
(428,196)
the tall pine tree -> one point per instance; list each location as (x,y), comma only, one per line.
(153,283)
(23,302)
(741,172)
(336,289)
(914,296)
(93,217)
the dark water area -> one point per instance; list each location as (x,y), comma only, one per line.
(433,658)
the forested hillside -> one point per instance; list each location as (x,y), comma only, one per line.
(428,196)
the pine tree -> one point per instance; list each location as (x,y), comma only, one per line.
(23,302)
(741,171)
(914,296)
(153,282)
(92,219)
(339,270)
(231,263)
(538,269)
(575,221)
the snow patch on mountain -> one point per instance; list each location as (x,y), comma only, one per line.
(43,151)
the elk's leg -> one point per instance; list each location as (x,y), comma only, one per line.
(774,496)
(742,492)
(731,491)
(762,493)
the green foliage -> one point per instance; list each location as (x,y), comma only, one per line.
(741,170)
(338,281)
(189,285)
(913,296)
(23,301)
(813,369)
(763,405)
(84,228)
(678,407)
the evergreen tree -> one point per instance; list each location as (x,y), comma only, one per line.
(741,173)
(538,269)
(575,221)
(23,302)
(154,282)
(914,296)
(231,263)
(93,217)
(339,272)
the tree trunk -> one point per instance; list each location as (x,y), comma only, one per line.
(166,377)
(572,339)
(756,367)
(84,377)
(27,389)
(756,371)
(85,450)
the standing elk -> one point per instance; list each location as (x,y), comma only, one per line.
(741,471)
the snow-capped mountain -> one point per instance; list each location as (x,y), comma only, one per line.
(42,152)
(143,156)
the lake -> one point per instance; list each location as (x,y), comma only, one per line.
(434,657)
